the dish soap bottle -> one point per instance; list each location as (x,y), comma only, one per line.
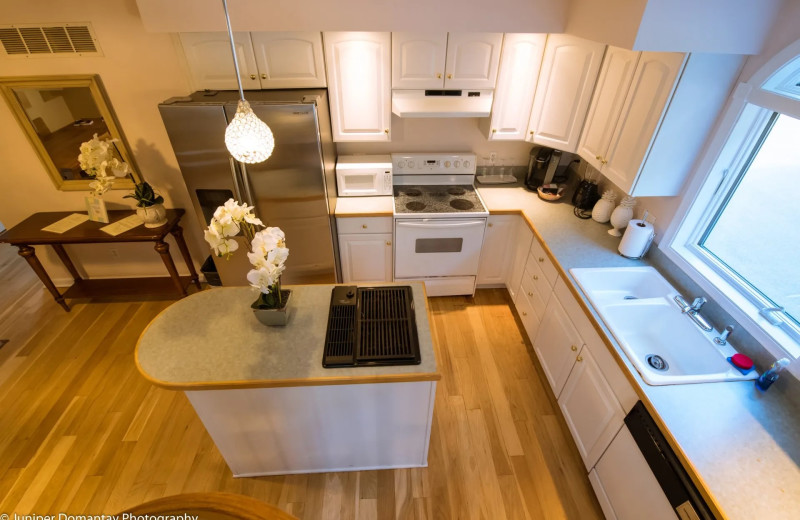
(766,379)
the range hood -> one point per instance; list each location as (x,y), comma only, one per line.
(442,103)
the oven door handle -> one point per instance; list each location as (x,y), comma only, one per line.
(429,224)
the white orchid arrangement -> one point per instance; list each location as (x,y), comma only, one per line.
(268,252)
(97,159)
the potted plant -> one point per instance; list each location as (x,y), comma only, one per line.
(150,205)
(268,254)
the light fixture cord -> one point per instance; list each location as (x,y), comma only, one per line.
(233,48)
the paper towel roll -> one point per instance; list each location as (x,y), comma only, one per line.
(637,238)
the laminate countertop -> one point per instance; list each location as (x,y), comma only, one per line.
(211,340)
(741,446)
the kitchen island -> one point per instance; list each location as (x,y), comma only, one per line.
(265,398)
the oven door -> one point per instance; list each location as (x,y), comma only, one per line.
(437,247)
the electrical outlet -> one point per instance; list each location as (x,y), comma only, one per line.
(114,253)
(493,156)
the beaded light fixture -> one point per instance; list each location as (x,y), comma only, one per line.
(247,138)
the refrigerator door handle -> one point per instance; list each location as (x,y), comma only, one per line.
(235,179)
(246,183)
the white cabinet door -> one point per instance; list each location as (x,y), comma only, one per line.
(557,344)
(359,84)
(566,82)
(210,61)
(289,59)
(590,408)
(472,60)
(516,84)
(609,96)
(366,257)
(522,244)
(627,485)
(496,252)
(651,88)
(418,60)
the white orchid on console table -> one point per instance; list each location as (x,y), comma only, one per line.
(268,251)
(97,159)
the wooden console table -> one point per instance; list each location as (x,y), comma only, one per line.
(28,233)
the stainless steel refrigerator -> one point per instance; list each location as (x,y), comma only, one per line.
(294,189)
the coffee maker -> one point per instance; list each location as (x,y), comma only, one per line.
(542,168)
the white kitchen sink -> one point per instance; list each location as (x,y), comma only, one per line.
(665,346)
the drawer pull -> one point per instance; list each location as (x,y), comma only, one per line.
(388,243)
(524,313)
(252,76)
(363,226)
(541,259)
(579,358)
(439,75)
(449,76)
(536,277)
(598,157)
(530,293)
(490,224)
(574,348)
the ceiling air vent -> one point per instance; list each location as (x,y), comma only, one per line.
(28,40)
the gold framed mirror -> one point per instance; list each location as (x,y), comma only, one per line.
(58,113)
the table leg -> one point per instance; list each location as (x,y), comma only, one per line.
(177,232)
(62,254)
(29,254)
(163,250)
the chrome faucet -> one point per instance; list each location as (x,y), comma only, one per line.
(693,311)
(722,339)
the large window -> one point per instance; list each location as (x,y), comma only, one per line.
(739,237)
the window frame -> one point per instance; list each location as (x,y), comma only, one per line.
(741,127)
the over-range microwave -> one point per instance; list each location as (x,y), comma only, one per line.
(364,175)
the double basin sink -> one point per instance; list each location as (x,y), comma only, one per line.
(664,345)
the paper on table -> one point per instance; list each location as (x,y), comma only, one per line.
(121,226)
(67,223)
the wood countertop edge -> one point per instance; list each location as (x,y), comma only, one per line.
(696,478)
(367,214)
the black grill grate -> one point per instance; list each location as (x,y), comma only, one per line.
(371,326)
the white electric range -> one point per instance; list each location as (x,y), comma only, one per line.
(439,221)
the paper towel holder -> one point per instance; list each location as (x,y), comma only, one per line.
(646,246)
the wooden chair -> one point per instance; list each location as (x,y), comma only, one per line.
(212,506)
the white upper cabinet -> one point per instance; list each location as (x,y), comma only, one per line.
(472,60)
(418,60)
(359,84)
(566,82)
(609,95)
(652,85)
(445,61)
(289,59)
(210,61)
(516,84)
(651,114)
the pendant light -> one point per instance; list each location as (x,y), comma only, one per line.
(247,138)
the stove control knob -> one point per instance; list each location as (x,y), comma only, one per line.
(401,164)
(457,164)
(466,164)
(447,164)
(411,164)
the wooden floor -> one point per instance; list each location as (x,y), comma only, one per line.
(82,432)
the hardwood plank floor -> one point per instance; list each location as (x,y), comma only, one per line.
(82,432)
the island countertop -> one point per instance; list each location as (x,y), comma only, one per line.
(212,340)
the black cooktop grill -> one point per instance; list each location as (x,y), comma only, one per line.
(371,326)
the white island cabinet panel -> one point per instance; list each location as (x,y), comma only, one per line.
(308,429)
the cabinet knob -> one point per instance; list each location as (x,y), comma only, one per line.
(574,348)
(439,76)
(598,157)
(603,162)
(541,259)
(531,132)
(252,76)
(494,130)
(449,76)
(530,293)
(536,277)
(386,131)
(579,358)
(263,76)
(363,226)
(524,313)
(490,224)
(388,242)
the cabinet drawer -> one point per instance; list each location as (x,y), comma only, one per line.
(537,276)
(364,225)
(543,261)
(536,289)
(530,320)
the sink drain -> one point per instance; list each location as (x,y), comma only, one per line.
(657,362)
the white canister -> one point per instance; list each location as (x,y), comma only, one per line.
(637,239)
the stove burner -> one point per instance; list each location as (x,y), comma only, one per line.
(415,205)
(455,190)
(412,192)
(462,204)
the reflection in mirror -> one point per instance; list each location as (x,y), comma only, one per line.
(61,113)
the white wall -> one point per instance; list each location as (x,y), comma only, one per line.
(357,15)
(139,70)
